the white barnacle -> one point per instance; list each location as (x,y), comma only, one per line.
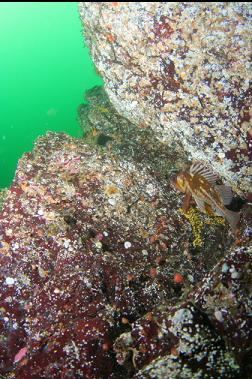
(127,244)
(224,268)
(9,281)
(218,315)
(112,201)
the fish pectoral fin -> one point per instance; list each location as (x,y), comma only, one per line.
(200,204)
(205,207)
(220,212)
(225,193)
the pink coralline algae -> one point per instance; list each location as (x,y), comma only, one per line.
(21,354)
(99,274)
(90,244)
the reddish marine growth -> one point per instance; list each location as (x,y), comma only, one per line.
(178,278)
(78,271)
(182,69)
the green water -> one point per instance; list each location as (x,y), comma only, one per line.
(44,70)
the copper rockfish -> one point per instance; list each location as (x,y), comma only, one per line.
(211,198)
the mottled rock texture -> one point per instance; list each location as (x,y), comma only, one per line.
(215,326)
(184,70)
(3,194)
(99,274)
(89,246)
(104,126)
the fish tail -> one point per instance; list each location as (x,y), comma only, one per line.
(233,218)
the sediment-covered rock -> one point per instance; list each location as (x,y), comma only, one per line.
(184,70)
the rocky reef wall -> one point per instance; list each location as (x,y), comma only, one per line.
(99,277)
(102,275)
(184,70)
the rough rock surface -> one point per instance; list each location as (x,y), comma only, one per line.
(90,243)
(184,70)
(215,325)
(226,297)
(104,126)
(3,194)
(100,276)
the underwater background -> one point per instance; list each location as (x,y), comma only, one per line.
(125,240)
(44,70)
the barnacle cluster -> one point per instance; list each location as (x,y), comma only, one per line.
(166,73)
